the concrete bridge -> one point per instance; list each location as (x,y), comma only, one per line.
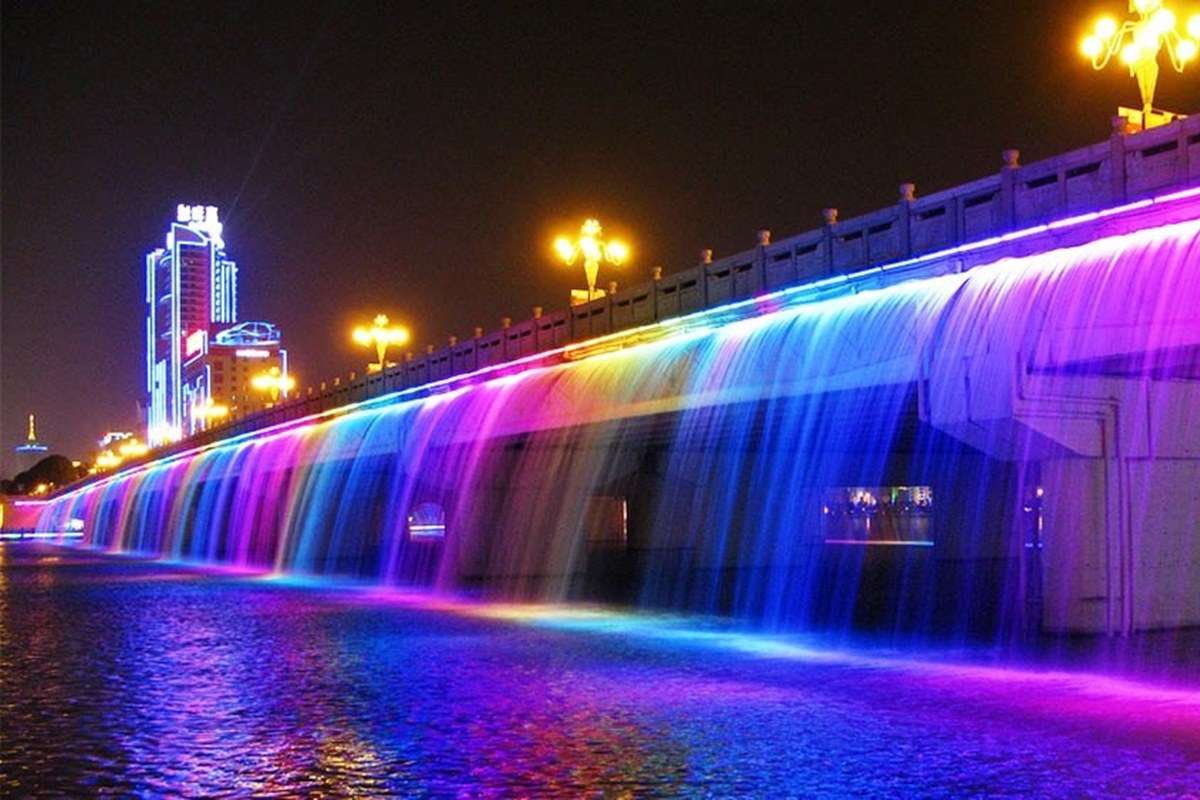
(1067,385)
(1022,209)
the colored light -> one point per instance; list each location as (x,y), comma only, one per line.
(1138,43)
(617,251)
(195,342)
(1193,26)
(881,542)
(693,322)
(1162,21)
(565,249)
(273,382)
(107,460)
(381,335)
(210,410)
(594,250)
(132,448)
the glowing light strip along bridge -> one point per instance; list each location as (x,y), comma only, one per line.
(1056,202)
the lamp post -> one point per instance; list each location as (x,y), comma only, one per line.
(209,411)
(112,457)
(381,335)
(1137,42)
(592,249)
(274,383)
(132,448)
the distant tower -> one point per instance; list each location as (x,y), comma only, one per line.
(31,450)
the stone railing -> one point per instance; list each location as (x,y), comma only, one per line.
(1127,167)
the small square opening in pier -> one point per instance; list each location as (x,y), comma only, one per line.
(877,516)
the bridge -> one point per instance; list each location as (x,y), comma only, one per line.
(973,410)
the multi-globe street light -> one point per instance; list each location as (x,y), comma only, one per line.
(209,411)
(273,382)
(110,458)
(592,249)
(1138,42)
(381,335)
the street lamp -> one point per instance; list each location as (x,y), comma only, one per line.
(1137,43)
(381,336)
(110,458)
(210,411)
(273,382)
(132,448)
(107,460)
(593,250)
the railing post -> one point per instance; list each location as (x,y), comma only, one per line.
(908,193)
(1183,169)
(537,328)
(830,216)
(705,259)
(1008,188)
(1116,153)
(656,276)
(764,241)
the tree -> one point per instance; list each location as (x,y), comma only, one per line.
(52,470)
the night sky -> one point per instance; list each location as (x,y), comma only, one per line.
(417,159)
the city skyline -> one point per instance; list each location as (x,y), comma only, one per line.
(376,210)
(685,399)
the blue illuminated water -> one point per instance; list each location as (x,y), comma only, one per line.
(138,678)
(740,468)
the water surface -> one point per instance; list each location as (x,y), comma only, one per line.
(133,676)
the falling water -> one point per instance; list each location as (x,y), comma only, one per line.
(974,453)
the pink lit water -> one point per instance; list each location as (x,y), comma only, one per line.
(138,678)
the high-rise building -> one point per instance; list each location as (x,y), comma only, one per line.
(191,298)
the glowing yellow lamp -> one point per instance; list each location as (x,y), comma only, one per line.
(381,335)
(274,383)
(593,249)
(1138,42)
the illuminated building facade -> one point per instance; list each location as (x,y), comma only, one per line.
(191,299)
(235,356)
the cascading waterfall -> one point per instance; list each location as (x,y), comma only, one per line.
(970,453)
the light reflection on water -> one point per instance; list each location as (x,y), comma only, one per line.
(136,677)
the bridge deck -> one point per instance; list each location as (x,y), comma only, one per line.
(1127,182)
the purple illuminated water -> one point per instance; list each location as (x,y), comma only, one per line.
(131,677)
(1048,404)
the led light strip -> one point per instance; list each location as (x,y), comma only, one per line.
(882,542)
(15,535)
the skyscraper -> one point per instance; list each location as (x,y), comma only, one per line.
(182,280)
(191,298)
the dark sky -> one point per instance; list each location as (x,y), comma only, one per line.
(417,158)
